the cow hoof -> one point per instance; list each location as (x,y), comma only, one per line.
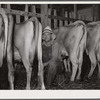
(98,76)
(40,88)
(28,88)
(87,79)
(37,88)
(71,82)
(43,89)
(79,81)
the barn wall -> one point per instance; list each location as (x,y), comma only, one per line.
(86,13)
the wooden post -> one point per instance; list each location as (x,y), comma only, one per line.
(55,20)
(66,15)
(26,10)
(33,9)
(91,19)
(8,6)
(84,18)
(60,23)
(97,12)
(49,20)
(62,14)
(79,16)
(93,8)
(75,11)
(44,19)
(71,16)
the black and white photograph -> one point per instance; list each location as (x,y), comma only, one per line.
(49,46)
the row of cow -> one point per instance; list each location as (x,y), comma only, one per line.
(26,40)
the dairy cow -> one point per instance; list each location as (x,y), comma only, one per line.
(26,39)
(93,46)
(71,40)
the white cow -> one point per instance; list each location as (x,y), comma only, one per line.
(72,39)
(3,35)
(93,45)
(26,39)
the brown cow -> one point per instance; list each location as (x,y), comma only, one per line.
(93,45)
(72,39)
(27,41)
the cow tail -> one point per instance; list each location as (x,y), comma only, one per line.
(36,30)
(38,39)
(82,39)
(85,38)
(85,35)
(3,13)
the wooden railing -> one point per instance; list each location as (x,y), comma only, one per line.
(45,16)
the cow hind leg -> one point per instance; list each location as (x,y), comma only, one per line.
(93,63)
(27,65)
(74,70)
(99,69)
(65,65)
(40,76)
(11,76)
(10,71)
(80,65)
(68,64)
(79,71)
(28,73)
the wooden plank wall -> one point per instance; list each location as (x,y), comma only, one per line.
(48,15)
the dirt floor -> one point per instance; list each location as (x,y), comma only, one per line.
(61,82)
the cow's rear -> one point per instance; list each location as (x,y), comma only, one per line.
(71,38)
(27,41)
(3,34)
(93,46)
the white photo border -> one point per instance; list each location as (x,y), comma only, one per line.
(50,94)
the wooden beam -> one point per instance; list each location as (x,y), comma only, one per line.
(93,15)
(55,20)
(61,21)
(33,9)
(26,10)
(75,11)
(8,6)
(49,20)
(65,18)
(23,13)
(44,19)
(66,15)
(71,16)
(97,12)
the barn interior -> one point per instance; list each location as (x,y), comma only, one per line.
(55,15)
(68,12)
